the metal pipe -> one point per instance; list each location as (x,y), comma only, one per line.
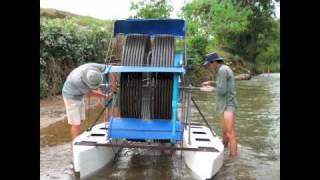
(185,53)
(174,106)
(188,116)
(143,146)
(197,107)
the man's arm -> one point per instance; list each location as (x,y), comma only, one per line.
(113,82)
(206,83)
(97,93)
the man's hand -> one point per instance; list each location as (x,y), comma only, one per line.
(100,103)
(209,83)
(98,94)
(109,96)
(206,83)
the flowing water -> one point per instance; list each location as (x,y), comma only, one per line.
(257,126)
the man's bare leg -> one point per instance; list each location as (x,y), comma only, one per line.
(75,131)
(116,112)
(229,121)
(224,132)
(112,111)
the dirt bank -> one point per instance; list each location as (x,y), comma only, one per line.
(52,109)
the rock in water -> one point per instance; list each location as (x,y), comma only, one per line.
(207,88)
(243,77)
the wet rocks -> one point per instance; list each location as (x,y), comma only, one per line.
(243,77)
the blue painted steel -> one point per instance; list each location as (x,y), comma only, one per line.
(109,124)
(178,59)
(175,97)
(130,128)
(145,69)
(175,27)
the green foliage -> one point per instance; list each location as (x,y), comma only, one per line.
(243,29)
(269,59)
(228,17)
(66,43)
(216,18)
(179,45)
(196,49)
(43,86)
(212,18)
(251,42)
(151,9)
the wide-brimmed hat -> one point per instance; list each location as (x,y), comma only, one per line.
(212,57)
(92,78)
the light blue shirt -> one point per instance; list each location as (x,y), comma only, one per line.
(74,88)
(225,88)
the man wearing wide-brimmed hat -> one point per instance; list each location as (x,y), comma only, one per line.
(226,98)
(84,80)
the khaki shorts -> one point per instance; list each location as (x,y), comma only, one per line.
(75,111)
(230,108)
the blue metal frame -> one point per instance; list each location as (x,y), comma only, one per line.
(175,97)
(175,69)
(119,69)
(175,27)
(131,128)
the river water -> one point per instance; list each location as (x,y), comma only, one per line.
(257,126)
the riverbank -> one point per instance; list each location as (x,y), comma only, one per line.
(52,109)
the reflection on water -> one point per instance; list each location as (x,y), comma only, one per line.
(257,126)
(144,164)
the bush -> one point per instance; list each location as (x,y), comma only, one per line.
(196,49)
(43,86)
(67,43)
(269,60)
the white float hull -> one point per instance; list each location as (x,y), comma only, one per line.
(89,159)
(203,164)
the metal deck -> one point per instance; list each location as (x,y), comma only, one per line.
(146,146)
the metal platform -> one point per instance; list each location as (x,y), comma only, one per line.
(146,146)
(130,128)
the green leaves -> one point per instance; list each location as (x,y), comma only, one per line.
(240,27)
(67,43)
(269,59)
(216,18)
(229,18)
(196,49)
(214,21)
(74,39)
(152,9)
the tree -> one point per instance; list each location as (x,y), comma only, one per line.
(243,28)
(151,9)
(212,18)
(250,42)
(216,17)
(269,53)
